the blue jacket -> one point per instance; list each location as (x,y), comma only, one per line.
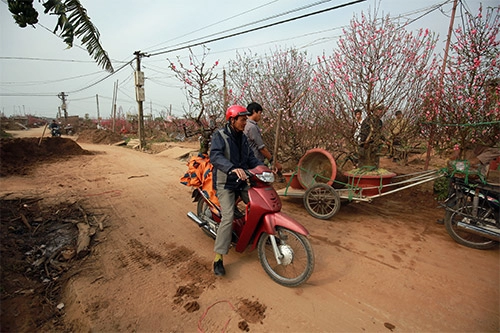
(240,156)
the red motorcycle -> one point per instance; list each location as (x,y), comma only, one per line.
(283,248)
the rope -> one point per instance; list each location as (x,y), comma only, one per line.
(466,171)
(200,330)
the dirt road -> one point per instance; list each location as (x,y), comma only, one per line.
(384,266)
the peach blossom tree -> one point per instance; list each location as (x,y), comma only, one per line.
(376,62)
(200,85)
(199,82)
(464,109)
(281,83)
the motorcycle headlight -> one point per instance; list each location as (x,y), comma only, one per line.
(267,177)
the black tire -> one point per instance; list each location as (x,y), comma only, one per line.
(298,258)
(450,206)
(463,213)
(322,201)
(204,213)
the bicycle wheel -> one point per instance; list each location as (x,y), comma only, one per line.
(321,201)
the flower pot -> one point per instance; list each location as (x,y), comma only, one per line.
(295,184)
(370,184)
(316,166)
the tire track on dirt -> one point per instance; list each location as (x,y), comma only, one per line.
(149,252)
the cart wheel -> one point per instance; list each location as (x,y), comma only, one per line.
(322,201)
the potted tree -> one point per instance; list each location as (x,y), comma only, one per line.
(380,68)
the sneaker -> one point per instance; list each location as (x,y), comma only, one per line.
(219,268)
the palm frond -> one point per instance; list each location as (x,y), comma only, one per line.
(87,33)
(74,22)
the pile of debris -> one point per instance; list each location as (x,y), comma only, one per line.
(39,245)
(19,155)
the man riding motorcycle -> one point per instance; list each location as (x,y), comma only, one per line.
(231,155)
(54,128)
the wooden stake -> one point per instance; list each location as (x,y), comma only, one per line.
(25,221)
(43,133)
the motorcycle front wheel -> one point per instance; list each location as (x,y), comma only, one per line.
(297,257)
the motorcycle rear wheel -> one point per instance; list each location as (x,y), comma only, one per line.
(463,237)
(298,257)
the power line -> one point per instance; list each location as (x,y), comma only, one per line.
(28,83)
(248,24)
(259,28)
(211,25)
(46,59)
(104,78)
(431,9)
(28,94)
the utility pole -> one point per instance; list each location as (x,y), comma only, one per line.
(113,104)
(98,115)
(226,102)
(441,79)
(140,95)
(62,96)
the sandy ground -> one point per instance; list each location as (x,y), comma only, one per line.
(380,266)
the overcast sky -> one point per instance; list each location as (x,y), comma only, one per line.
(35,65)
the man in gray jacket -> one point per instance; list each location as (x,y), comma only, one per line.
(254,134)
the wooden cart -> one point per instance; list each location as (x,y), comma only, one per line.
(322,193)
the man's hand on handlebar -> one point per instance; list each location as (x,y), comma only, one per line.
(241,174)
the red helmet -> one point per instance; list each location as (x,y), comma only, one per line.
(236,110)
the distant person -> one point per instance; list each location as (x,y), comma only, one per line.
(53,124)
(54,128)
(371,138)
(68,129)
(254,135)
(396,128)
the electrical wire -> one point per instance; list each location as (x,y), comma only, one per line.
(102,79)
(431,9)
(47,59)
(210,25)
(258,28)
(248,24)
(29,83)
(28,94)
